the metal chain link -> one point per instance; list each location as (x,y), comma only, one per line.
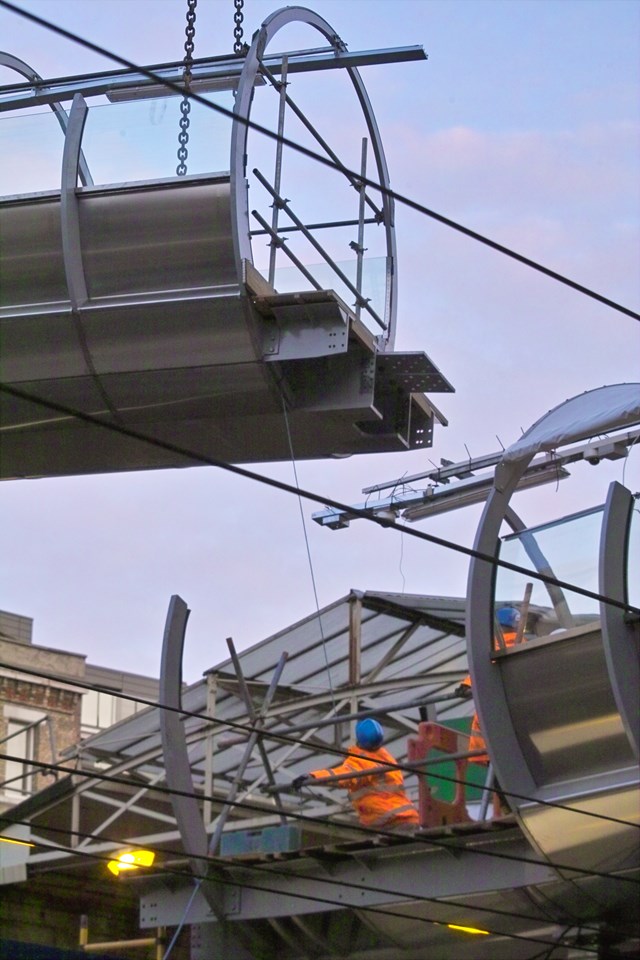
(185,106)
(238,33)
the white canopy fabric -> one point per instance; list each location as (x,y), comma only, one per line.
(587,415)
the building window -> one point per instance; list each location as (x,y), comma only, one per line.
(20,741)
(101,710)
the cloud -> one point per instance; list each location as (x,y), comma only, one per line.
(500,173)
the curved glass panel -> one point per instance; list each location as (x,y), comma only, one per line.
(136,140)
(374,280)
(567,549)
(31,148)
(139,140)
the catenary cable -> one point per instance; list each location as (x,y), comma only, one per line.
(307,494)
(275,868)
(227,881)
(280,737)
(306,818)
(308,548)
(313,155)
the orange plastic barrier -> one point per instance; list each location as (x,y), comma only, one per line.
(434,812)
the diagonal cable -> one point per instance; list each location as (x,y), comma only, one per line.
(313,155)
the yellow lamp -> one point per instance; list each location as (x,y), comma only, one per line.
(455,926)
(131,860)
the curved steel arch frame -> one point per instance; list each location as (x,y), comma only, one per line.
(620,637)
(490,684)
(238,162)
(23,68)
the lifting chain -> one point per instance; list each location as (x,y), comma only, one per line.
(238,17)
(185,106)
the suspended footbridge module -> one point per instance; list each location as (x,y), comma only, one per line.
(223,308)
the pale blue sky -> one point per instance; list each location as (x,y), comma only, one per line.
(524,124)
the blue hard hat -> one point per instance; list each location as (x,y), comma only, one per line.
(369,734)
(508,616)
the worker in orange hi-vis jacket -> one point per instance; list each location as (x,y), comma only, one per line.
(380,799)
(508,618)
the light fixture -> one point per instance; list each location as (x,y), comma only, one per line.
(476,490)
(131,860)
(415,504)
(456,926)
(154,91)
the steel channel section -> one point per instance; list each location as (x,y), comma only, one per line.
(208,74)
(371,881)
(620,637)
(239,137)
(555,833)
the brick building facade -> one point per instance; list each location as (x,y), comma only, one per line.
(39,717)
(44,718)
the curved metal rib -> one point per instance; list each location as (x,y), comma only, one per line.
(620,638)
(239,136)
(69,212)
(176,757)
(15,63)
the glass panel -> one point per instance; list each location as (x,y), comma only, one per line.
(121,142)
(124,708)
(105,710)
(30,153)
(89,709)
(139,140)
(374,276)
(567,549)
(20,745)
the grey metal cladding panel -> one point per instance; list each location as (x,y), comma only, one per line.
(563,709)
(242,439)
(333,383)
(295,341)
(40,348)
(149,336)
(237,389)
(163,238)
(31,264)
(75,449)
(595,842)
(79,392)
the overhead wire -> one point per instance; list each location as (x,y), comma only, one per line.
(241,471)
(313,155)
(341,753)
(280,736)
(287,739)
(308,547)
(276,868)
(373,184)
(196,457)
